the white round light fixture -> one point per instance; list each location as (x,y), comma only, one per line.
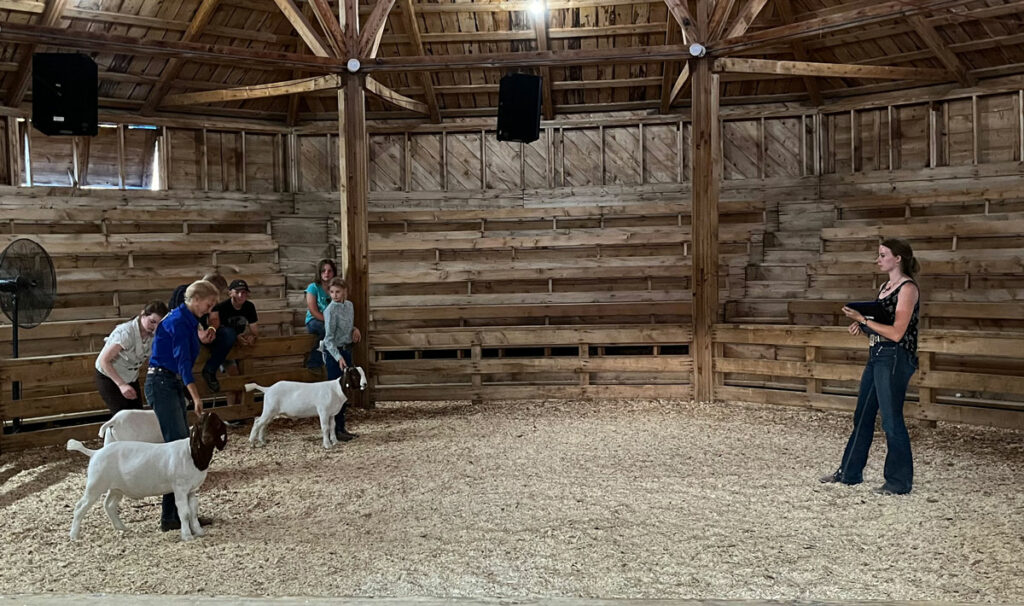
(697,49)
(353,65)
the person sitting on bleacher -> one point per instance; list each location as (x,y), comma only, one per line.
(235,319)
(317,300)
(126,349)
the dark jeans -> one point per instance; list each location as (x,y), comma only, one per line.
(316,327)
(220,347)
(882,387)
(166,395)
(333,374)
(113,397)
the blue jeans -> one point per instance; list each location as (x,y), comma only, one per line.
(333,374)
(316,327)
(883,386)
(166,395)
(220,347)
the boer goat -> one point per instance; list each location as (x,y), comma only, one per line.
(142,469)
(297,400)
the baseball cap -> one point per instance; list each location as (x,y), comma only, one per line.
(238,285)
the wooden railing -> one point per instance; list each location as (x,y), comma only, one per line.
(964,376)
(59,398)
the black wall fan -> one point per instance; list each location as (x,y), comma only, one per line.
(28,285)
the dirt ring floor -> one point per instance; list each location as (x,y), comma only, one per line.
(637,499)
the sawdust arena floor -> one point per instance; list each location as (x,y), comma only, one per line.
(635,499)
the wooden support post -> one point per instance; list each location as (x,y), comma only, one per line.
(407,164)
(680,152)
(707,171)
(974,129)
(353,181)
(762,156)
(204,166)
(120,157)
(1020,125)
(892,136)
(584,356)
(444,160)
(600,135)
(13,151)
(165,158)
(241,169)
(476,356)
(853,141)
(641,152)
(812,355)
(483,160)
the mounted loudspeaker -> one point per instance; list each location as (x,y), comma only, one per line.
(64,94)
(519,98)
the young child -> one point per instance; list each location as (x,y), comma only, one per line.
(340,334)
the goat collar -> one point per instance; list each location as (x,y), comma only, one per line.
(202,453)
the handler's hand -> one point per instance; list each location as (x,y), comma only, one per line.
(128,391)
(207,336)
(853,314)
(855,328)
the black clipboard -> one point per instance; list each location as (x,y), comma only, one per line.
(871,310)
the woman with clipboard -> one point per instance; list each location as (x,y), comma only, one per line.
(890,323)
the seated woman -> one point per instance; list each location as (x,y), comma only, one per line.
(126,349)
(317,300)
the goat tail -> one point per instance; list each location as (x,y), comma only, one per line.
(255,387)
(76,445)
(108,426)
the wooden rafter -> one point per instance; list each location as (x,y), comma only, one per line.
(242,57)
(746,16)
(395,98)
(828,70)
(199,22)
(303,27)
(673,35)
(258,91)
(50,16)
(679,11)
(785,10)
(540,27)
(413,30)
(941,50)
(718,18)
(863,15)
(325,17)
(373,29)
(679,84)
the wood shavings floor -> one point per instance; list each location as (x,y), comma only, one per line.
(637,499)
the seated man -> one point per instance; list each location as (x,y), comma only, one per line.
(235,320)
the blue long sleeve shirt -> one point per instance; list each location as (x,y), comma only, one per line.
(176,343)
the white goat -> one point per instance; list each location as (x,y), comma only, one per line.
(132,425)
(141,469)
(297,400)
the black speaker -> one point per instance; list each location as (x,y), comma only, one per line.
(519,97)
(64,94)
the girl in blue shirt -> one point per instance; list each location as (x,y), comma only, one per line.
(175,349)
(317,299)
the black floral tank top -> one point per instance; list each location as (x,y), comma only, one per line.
(909,340)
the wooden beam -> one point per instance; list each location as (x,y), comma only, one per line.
(827,70)
(746,16)
(540,28)
(707,172)
(303,27)
(785,10)
(325,17)
(942,51)
(413,30)
(679,11)
(24,6)
(51,15)
(673,35)
(394,98)
(257,91)
(681,81)
(170,72)
(110,43)
(860,16)
(718,18)
(355,210)
(373,29)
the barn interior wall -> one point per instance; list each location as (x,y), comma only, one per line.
(797,188)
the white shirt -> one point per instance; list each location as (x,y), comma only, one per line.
(134,352)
